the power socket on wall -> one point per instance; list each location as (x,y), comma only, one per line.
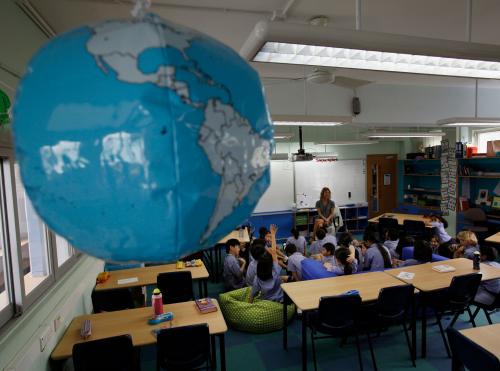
(44,338)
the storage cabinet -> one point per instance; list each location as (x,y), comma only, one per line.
(421,184)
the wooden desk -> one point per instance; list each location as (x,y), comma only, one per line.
(244,237)
(306,295)
(427,280)
(401,218)
(147,276)
(134,323)
(495,238)
(488,337)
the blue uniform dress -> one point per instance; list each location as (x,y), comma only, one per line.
(233,276)
(294,263)
(374,261)
(271,288)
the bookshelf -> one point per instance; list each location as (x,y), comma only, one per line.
(420,187)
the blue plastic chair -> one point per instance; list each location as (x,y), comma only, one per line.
(408,254)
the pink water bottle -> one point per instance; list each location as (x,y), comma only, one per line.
(157,302)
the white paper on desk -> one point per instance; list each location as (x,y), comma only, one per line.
(406,275)
(124,281)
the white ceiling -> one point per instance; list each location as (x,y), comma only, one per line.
(231,21)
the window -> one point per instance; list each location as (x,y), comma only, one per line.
(483,138)
(32,257)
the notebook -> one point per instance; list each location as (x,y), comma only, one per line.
(444,268)
(205,305)
(125,281)
(406,275)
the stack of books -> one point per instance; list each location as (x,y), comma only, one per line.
(205,305)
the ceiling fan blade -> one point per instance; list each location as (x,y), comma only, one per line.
(347,82)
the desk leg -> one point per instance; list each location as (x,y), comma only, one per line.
(304,340)
(424,326)
(414,329)
(213,358)
(285,325)
(57,365)
(205,288)
(222,346)
(200,290)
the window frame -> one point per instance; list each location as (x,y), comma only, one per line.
(477,132)
(20,302)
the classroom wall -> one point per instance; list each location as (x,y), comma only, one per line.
(70,297)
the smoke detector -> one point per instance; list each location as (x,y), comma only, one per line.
(319,20)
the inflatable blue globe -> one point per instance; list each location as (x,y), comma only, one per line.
(141,140)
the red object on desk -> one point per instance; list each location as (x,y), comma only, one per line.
(470,151)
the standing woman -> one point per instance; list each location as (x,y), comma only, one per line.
(325,208)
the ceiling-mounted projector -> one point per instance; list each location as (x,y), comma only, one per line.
(301,154)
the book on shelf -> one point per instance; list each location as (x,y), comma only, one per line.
(463,204)
(205,305)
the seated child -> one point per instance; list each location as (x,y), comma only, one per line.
(391,242)
(321,238)
(297,240)
(376,256)
(294,261)
(435,244)
(344,265)
(488,290)
(256,251)
(328,256)
(445,240)
(422,253)
(468,245)
(267,280)
(353,245)
(234,266)
(404,241)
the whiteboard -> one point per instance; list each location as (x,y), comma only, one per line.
(341,177)
(279,196)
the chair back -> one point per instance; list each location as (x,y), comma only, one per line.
(463,289)
(110,354)
(470,354)
(175,287)
(112,300)
(183,348)
(386,223)
(339,312)
(393,302)
(414,228)
(475,215)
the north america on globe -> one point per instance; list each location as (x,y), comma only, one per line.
(238,154)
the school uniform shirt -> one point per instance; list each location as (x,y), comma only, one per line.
(391,246)
(441,232)
(271,288)
(299,242)
(251,272)
(329,238)
(330,259)
(338,269)
(488,290)
(374,261)
(470,250)
(233,277)
(294,263)
(315,247)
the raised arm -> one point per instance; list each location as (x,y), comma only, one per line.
(272,250)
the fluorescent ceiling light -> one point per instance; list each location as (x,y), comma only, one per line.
(282,42)
(310,120)
(283,135)
(469,121)
(403,134)
(346,142)
(307,123)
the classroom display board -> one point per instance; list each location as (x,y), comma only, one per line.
(280,195)
(298,184)
(346,179)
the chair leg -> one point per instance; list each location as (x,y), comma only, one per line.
(409,344)
(471,317)
(371,351)
(359,353)
(487,316)
(438,317)
(474,315)
(455,317)
(314,351)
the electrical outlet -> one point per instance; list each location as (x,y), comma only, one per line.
(44,338)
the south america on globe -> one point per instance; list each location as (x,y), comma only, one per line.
(141,140)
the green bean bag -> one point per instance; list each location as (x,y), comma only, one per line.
(261,316)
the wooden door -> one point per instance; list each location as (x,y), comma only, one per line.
(381,182)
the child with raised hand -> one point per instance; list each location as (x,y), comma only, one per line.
(422,253)
(256,251)
(294,261)
(376,256)
(391,242)
(234,266)
(488,290)
(267,280)
(468,245)
(297,240)
(344,264)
